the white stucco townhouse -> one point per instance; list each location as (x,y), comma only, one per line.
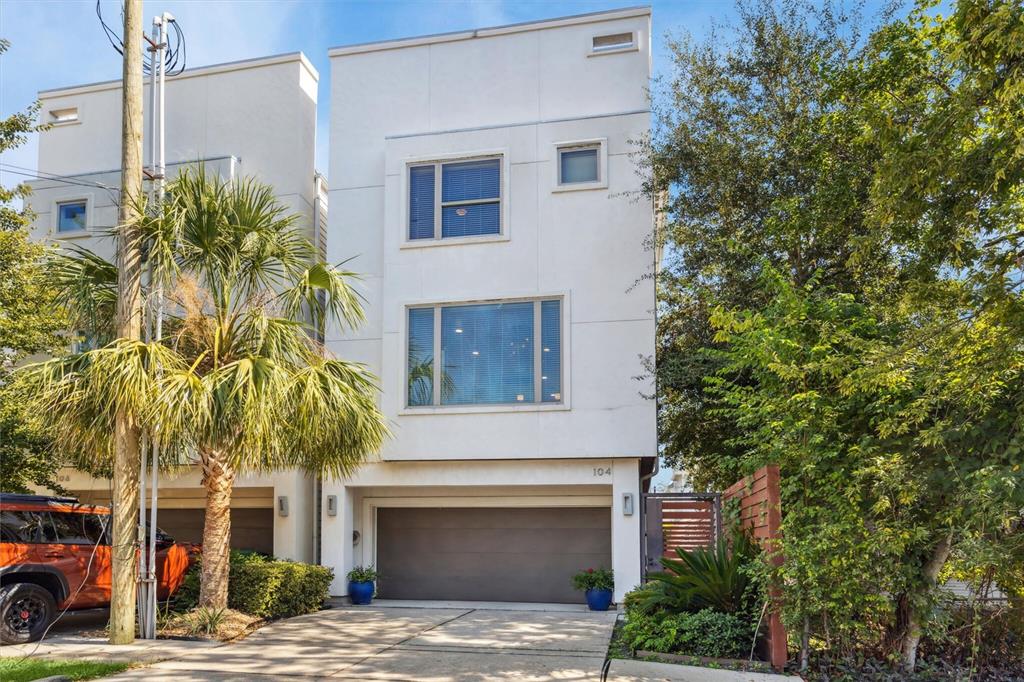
(248,118)
(482,182)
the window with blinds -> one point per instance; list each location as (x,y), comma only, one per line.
(490,353)
(455,199)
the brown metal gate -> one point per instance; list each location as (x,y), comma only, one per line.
(679,520)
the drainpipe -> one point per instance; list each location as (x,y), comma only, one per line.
(654,472)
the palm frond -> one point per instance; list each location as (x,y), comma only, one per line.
(86,285)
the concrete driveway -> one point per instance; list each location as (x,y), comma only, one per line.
(470,642)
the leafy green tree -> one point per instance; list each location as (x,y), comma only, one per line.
(30,323)
(761,172)
(883,375)
(238,383)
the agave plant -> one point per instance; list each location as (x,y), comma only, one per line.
(708,577)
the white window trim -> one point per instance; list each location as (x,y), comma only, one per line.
(47,117)
(71,199)
(403,358)
(503,198)
(602,164)
(634,47)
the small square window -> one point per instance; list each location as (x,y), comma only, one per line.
(71,216)
(577,165)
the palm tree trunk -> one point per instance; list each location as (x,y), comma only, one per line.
(219,478)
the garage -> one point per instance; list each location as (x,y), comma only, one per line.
(489,554)
(181,513)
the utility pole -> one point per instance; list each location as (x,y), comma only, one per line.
(129,327)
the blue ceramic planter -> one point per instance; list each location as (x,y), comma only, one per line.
(599,600)
(360,592)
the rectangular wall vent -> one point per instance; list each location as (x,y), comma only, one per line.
(614,42)
(69,115)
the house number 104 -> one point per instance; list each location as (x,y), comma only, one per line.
(602,471)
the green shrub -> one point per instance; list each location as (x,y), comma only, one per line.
(718,578)
(264,587)
(705,633)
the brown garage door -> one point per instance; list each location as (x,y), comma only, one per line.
(250,528)
(489,554)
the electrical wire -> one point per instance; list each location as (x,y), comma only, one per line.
(71,599)
(172,55)
(41,175)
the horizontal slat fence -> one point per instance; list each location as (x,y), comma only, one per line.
(760,511)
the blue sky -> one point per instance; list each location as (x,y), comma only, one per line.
(59,42)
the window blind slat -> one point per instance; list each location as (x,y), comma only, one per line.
(421,202)
(468,180)
(470,220)
(487,353)
(551,351)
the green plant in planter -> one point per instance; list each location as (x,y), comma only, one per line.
(594,579)
(362,574)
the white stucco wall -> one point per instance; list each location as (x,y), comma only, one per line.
(518,93)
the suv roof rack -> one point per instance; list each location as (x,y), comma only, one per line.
(20,497)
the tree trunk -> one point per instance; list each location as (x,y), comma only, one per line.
(129,326)
(912,634)
(218,478)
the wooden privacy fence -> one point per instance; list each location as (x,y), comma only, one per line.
(760,511)
(679,520)
(691,520)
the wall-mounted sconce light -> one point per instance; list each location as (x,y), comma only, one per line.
(332,505)
(282,505)
(355,537)
(627,504)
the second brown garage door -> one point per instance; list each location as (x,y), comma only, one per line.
(489,554)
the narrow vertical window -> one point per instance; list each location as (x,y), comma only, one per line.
(421,202)
(551,351)
(421,356)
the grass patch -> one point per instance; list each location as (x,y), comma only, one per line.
(24,670)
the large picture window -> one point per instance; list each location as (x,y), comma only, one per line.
(455,199)
(489,353)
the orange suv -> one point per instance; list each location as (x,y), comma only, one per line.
(55,556)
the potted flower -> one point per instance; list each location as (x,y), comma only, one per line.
(597,585)
(360,584)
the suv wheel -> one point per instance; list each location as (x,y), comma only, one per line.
(26,610)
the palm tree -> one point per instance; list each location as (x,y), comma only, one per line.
(238,383)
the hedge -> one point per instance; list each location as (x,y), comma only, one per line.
(265,587)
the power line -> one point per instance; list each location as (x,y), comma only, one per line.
(41,175)
(171,57)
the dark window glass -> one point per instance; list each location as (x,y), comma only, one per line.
(21,526)
(71,528)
